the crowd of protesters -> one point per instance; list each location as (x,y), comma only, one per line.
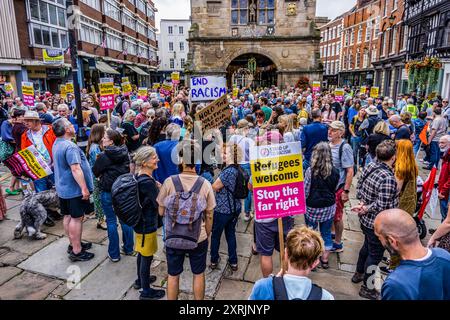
(374,144)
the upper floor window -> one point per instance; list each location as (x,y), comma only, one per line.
(181,30)
(359,34)
(385,8)
(252,11)
(128,19)
(111,9)
(48,13)
(181,46)
(170,46)
(140,5)
(395,5)
(170,29)
(92,3)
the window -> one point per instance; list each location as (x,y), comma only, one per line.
(43,10)
(34,9)
(181,46)
(393,41)
(61,17)
(385,8)
(360,34)
(368,30)
(48,36)
(366,59)
(183,62)
(150,13)
(92,3)
(338,48)
(376,28)
(142,50)
(266,11)
(172,64)
(140,5)
(141,28)
(384,39)
(395,5)
(346,38)
(352,36)
(111,9)
(358,59)
(239,11)
(91,31)
(181,30)
(170,46)
(114,40)
(374,54)
(152,55)
(170,30)
(130,46)
(128,19)
(151,34)
(337,66)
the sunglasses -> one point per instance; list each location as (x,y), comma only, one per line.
(259,115)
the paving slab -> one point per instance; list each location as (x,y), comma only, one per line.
(353,221)
(14,214)
(7,231)
(234,290)
(244,245)
(133,294)
(10,203)
(92,234)
(109,281)
(53,261)
(60,291)
(57,230)
(253,272)
(299,220)
(242,225)
(160,254)
(353,235)
(28,286)
(12,258)
(29,245)
(239,274)
(7,273)
(336,282)
(347,267)
(351,252)
(18,197)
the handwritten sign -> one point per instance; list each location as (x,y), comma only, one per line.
(28,93)
(9,88)
(277,179)
(316,86)
(339,94)
(106,87)
(207,88)
(374,92)
(215,114)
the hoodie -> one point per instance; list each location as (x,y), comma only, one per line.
(111,164)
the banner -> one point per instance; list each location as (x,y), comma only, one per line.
(316,86)
(53,56)
(106,87)
(63,91)
(207,88)
(215,114)
(339,94)
(142,93)
(374,92)
(70,88)
(28,93)
(126,88)
(28,162)
(9,88)
(166,88)
(116,90)
(363,90)
(277,178)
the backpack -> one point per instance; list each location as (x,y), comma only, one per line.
(125,199)
(118,109)
(183,215)
(280,293)
(241,186)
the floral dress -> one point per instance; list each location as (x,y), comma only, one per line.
(94,151)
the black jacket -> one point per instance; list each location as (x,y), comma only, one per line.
(110,164)
(322,192)
(148,192)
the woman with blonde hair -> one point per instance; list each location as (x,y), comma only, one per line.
(188,127)
(177,114)
(286,127)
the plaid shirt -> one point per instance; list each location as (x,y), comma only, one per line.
(377,189)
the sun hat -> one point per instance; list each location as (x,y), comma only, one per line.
(337,125)
(372,111)
(31,115)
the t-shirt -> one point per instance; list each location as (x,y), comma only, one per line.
(245,144)
(439,124)
(311,135)
(224,198)
(65,154)
(130,131)
(343,163)
(188,180)
(423,279)
(267,112)
(403,133)
(297,287)
(166,166)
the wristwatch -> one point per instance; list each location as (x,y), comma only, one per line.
(347,191)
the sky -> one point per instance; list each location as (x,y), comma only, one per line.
(180,9)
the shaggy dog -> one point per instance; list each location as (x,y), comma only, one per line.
(33,213)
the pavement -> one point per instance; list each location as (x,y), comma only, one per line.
(40,269)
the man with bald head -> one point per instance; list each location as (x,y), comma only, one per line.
(403,131)
(423,273)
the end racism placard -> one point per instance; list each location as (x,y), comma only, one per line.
(214,115)
(277,179)
(207,88)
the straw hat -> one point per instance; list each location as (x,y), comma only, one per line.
(31,115)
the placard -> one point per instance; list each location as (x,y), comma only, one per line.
(116,90)
(125,79)
(207,88)
(316,86)
(235,93)
(69,87)
(28,162)
(106,87)
(175,76)
(126,88)
(339,94)
(374,92)
(142,93)
(363,90)
(9,88)
(166,88)
(28,93)
(63,91)
(215,114)
(156,86)
(277,179)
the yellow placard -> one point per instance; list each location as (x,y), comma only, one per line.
(270,172)
(142,92)
(63,91)
(167,86)
(28,90)
(69,87)
(339,92)
(33,163)
(93,89)
(52,56)
(125,79)
(106,88)
(175,76)
(117,90)
(126,88)
(156,85)
(9,87)
(235,92)
(316,84)
(374,92)
(363,90)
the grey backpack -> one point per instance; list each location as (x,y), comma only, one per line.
(183,215)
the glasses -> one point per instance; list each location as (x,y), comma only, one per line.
(444,101)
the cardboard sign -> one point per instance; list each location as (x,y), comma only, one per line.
(28,93)
(374,92)
(142,93)
(126,88)
(69,87)
(215,114)
(166,88)
(207,88)
(9,88)
(339,94)
(30,163)
(277,179)
(63,91)
(316,86)
(106,87)
(363,90)
(52,56)
(116,90)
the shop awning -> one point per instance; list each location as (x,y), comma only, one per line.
(138,70)
(105,68)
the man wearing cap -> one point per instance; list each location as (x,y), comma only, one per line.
(342,155)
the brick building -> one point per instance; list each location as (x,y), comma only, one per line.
(330,50)
(390,73)
(360,43)
(115,38)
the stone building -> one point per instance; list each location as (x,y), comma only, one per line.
(255,42)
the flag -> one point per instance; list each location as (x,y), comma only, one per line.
(423,135)
(125,52)
(104,43)
(427,189)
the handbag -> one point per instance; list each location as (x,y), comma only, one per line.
(444,242)
(6,150)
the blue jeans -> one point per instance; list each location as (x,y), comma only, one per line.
(305,165)
(325,231)
(228,223)
(113,234)
(356,143)
(45,183)
(248,200)
(416,146)
(435,154)
(444,208)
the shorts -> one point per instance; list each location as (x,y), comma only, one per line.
(267,235)
(339,206)
(150,244)
(197,259)
(74,207)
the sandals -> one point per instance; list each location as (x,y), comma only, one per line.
(13,192)
(324,264)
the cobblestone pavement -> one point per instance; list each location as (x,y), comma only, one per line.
(40,269)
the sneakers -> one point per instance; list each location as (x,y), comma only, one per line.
(113,259)
(84,246)
(233,267)
(82,256)
(337,248)
(333,236)
(137,284)
(358,277)
(371,294)
(214,265)
(152,294)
